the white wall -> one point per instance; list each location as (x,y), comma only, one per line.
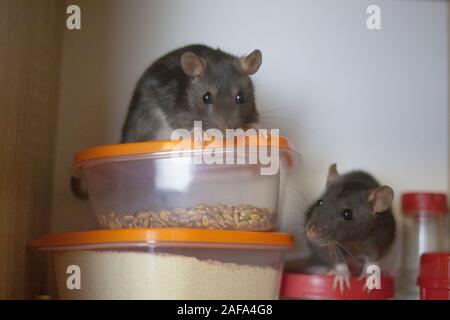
(375,100)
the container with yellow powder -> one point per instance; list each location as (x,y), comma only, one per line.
(167,264)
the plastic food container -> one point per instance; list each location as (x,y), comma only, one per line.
(434,276)
(215,185)
(424,231)
(320,287)
(167,263)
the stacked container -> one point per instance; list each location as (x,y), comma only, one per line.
(186,221)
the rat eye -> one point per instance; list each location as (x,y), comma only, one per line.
(319,203)
(239,99)
(207,98)
(347,214)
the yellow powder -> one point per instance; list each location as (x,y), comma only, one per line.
(143,275)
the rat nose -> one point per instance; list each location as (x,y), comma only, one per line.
(312,232)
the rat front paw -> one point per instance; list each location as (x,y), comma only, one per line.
(341,277)
(371,276)
(364,277)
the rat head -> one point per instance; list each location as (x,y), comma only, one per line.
(346,211)
(220,92)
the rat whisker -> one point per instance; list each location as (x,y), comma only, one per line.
(321,242)
(340,257)
(339,251)
(330,253)
(344,248)
(336,254)
(273,110)
(278,118)
(297,196)
(348,252)
(274,122)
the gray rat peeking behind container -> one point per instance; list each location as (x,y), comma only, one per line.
(351,226)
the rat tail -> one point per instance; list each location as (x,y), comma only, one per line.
(78,188)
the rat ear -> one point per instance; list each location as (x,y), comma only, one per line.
(192,65)
(332,174)
(251,63)
(381,199)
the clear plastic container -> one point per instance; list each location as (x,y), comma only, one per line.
(167,264)
(154,184)
(424,230)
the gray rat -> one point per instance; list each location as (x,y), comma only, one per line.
(352,224)
(193,83)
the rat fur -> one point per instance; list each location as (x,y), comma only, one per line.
(335,237)
(171,93)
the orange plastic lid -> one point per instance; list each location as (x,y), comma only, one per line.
(148,147)
(165,235)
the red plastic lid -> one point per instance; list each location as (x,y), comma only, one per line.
(434,270)
(307,286)
(424,201)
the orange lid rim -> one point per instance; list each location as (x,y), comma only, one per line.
(164,235)
(162,146)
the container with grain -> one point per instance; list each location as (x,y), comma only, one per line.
(155,185)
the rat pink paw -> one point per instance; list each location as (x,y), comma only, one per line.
(368,275)
(364,277)
(341,277)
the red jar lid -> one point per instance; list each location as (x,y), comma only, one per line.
(307,286)
(434,270)
(424,201)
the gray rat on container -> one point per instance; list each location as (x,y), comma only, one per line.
(193,83)
(352,225)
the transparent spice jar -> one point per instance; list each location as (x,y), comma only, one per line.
(434,276)
(424,230)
